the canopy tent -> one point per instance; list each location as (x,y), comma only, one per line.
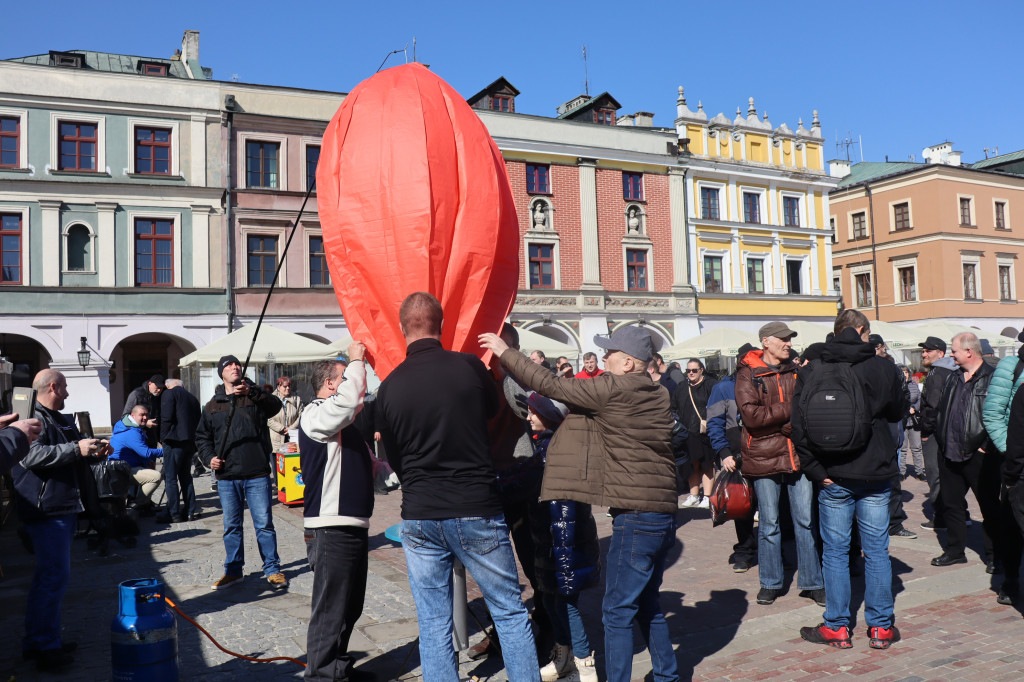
(947,330)
(724,341)
(530,341)
(806,333)
(897,337)
(272,346)
(339,348)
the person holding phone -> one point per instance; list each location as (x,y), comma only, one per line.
(16,435)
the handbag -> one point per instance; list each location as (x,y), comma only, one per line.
(703,422)
(732,497)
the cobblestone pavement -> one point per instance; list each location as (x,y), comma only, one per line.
(952,627)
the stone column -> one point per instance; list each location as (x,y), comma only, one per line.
(588,224)
(51,242)
(680,230)
(197,172)
(106,244)
(200,246)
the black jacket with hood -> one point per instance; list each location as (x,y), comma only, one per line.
(247,451)
(886,400)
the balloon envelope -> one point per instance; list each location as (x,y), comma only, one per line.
(413,195)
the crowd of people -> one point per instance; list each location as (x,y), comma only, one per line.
(513,460)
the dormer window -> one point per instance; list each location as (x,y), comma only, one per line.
(502,103)
(152,69)
(68,60)
(604,117)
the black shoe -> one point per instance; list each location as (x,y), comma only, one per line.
(213,486)
(178,518)
(903,533)
(993,567)
(65,648)
(817,596)
(164,517)
(767,596)
(741,566)
(930,525)
(195,517)
(947,559)
(361,676)
(52,659)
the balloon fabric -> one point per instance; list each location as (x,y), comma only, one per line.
(413,195)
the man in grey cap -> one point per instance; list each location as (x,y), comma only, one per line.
(614,450)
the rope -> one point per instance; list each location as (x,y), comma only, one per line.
(227,651)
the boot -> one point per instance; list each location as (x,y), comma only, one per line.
(585,667)
(560,665)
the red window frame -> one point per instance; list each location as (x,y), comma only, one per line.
(632,186)
(261,259)
(6,135)
(78,140)
(10,230)
(151,147)
(604,117)
(154,69)
(636,270)
(501,103)
(154,244)
(542,266)
(321,275)
(538,178)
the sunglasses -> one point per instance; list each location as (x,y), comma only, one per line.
(693,371)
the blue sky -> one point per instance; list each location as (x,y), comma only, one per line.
(901,75)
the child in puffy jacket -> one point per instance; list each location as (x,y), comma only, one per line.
(567,558)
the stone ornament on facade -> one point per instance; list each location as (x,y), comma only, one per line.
(540,216)
(636,223)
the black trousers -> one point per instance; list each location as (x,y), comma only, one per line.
(338,557)
(1012,508)
(519,509)
(178,478)
(896,514)
(745,548)
(931,470)
(980,474)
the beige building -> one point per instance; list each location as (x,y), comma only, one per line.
(931,241)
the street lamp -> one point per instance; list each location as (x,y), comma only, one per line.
(83,355)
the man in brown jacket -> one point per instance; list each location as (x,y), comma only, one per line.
(765,383)
(614,450)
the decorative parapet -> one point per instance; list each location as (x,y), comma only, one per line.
(619,302)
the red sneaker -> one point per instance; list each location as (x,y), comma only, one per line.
(882,638)
(824,635)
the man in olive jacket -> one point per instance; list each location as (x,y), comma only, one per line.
(614,449)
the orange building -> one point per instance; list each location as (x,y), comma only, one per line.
(931,241)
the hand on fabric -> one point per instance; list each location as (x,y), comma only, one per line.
(493,343)
(216,463)
(356,351)
(787,429)
(729,463)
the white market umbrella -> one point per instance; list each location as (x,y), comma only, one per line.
(285,346)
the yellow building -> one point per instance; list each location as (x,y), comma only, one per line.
(757,211)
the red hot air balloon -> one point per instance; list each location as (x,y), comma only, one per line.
(413,195)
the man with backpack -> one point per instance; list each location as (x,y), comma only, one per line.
(845,402)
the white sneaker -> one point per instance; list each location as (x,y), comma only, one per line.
(705,503)
(560,665)
(585,667)
(690,501)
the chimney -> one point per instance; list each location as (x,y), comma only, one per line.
(941,153)
(838,168)
(643,119)
(190,46)
(626,120)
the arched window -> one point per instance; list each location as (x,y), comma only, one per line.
(79,248)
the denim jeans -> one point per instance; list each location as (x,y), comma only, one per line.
(837,504)
(178,477)
(769,542)
(51,540)
(233,494)
(567,622)
(482,545)
(635,566)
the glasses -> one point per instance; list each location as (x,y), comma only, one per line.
(693,371)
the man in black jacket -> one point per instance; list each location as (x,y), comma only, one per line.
(148,394)
(854,482)
(1013,482)
(933,358)
(968,460)
(242,468)
(181,412)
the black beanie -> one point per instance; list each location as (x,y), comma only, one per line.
(224,362)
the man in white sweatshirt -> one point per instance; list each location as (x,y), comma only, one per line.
(338,501)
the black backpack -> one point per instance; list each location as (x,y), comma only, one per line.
(835,413)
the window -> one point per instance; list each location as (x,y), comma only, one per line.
(901,216)
(633,186)
(1000,214)
(636,270)
(261,164)
(78,244)
(154,252)
(262,252)
(501,103)
(542,266)
(319,275)
(832,226)
(908,284)
(10,248)
(1005,282)
(537,179)
(793,276)
(791,211)
(312,159)
(10,141)
(755,275)
(77,146)
(709,203)
(860,225)
(604,117)
(970,281)
(965,211)
(713,274)
(153,151)
(863,283)
(751,207)
(154,69)
(837,281)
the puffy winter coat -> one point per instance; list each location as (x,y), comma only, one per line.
(129,444)
(996,413)
(764,398)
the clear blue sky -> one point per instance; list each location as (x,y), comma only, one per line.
(902,75)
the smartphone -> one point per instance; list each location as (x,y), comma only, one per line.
(84,424)
(23,401)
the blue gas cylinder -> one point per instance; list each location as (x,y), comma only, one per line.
(144,634)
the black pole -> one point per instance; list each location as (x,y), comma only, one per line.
(259,322)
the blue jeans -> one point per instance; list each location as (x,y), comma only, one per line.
(636,563)
(51,540)
(566,621)
(769,543)
(233,494)
(837,504)
(482,545)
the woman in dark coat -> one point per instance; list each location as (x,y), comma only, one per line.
(690,401)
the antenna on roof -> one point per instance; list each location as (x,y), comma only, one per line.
(404,50)
(414,48)
(843,146)
(586,73)
(986,152)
